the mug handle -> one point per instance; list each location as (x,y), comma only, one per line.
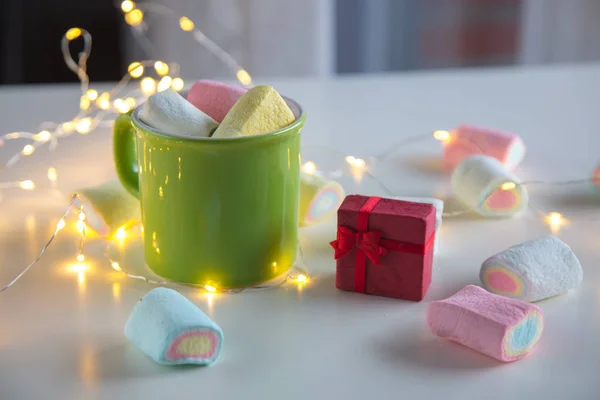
(125,154)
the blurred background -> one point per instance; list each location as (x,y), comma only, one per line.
(302,37)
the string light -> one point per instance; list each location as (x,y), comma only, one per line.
(122,106)
(68,126)
(80,226)
(186,24)
(80,258)
(52,175)
(555,220)
(177,84)
(164,83)
(84,103)
(301,278)
(27,185)
(83,125)
(115,265)
(442,136)
(148,86)
(130,102)
(244,77)
(135,69)
(42,136)
(508,186)
(127,6)
(103,101)
(60,225)
(161,68)
(309,167)
(134,17)
(92,94)
(120,234)
(73,34)
(81,216)
(210,288)
(28,150)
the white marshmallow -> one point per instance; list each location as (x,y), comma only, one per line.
(439,211)
(170,113)
(533,270)
(477,182)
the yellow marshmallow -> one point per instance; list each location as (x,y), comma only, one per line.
(260,110)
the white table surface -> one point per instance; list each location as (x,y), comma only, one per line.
(62,337)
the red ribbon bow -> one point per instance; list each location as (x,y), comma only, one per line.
(369,242)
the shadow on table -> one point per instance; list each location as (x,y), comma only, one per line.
(423,349)
(123,361)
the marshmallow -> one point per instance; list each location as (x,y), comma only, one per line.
(478,182)
(109,207)
(171,330)
(319,198)
(214,98)
(499,327)
(169,112)
(533,270)
(466,141)
(260,110)
(439,211)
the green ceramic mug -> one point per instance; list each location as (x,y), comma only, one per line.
(218,211)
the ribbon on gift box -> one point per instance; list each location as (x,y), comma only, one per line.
(369,244)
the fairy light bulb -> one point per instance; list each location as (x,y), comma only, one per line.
(60,225)
(52,175)
(28,150)
(301,278)
(135,69)
(92,94)
(84,125)
(121,106)
(103,101)
(508,186)
(555,220)
(127,6)
(309,167)
(177,84)
(27,185)
(357,166)
(186,24)
(164,83)
(84,103)
(120,234)
(115,265)
(68,126)
(80,226)
(244,77)
(134,17)
(42,136)
(130,102)
(73,33)
(148,86)
(210,288)
(81,216)
(442,136)
(161,68)
(80,258)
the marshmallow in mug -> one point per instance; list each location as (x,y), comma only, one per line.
(319,198)
(468,140)
(214,98)
(260,110)
(169,112)
(533,270)
(500,327)
(439,211)
(171,330)
(485,185)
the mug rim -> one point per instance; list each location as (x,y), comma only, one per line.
(261,136)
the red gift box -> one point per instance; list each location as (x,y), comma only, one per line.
(384,247)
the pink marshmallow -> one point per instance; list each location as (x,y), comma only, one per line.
(500,327)
(467,140)
(214,98)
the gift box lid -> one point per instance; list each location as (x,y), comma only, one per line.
(399,220)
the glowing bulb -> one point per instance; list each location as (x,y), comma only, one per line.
(442,136)
(186,24)
(210,288)
(81,216)
(103,101)
(554,219)
(244,77)
(134,17)
(83,125)
(116,266)
(135,69)
(121,234)
(42,136)
(60,225)
(301,278)
(161,68)
(121,105)
(356,162)
(73,33)
(130,102)
(68,126)
(148,86)
(28,150)
(92,94)
(80,258)
(164,83)
(309,167)
(177,84)
(79,268)
(27,185)
(84,103)
(52,175)
(80,226)
(127,6)
(508,186)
